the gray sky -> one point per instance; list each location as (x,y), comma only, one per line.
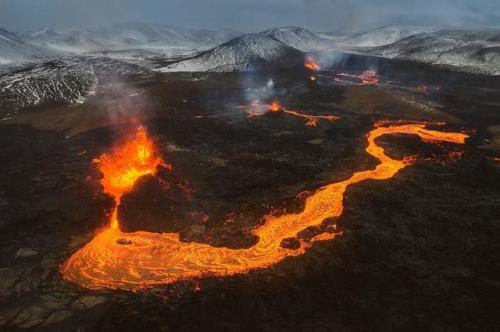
(248,15)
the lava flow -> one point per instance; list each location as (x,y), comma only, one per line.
(145,259)
(257,109)
(368,77)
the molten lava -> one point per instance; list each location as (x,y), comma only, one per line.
(150,259)
(312,120)
(275,106)
(257,109)
(125,164)
(368,77)
(310,63)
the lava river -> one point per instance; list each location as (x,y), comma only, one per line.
(146,259)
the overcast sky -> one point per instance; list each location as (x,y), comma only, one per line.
(249,15)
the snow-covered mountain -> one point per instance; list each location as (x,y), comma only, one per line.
(466,50)
(14,49)
(380,36)
(274,48)
(251,52)
(127,36)
(62,81)
(296,37)
(137,43)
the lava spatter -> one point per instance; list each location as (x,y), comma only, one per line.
(151,258)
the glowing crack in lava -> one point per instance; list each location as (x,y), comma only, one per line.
(257,109)
(151,258)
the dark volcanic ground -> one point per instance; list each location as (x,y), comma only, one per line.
(419,252)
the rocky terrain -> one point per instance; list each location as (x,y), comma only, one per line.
(467,50)
(418,251)
(59,82)
(14,49)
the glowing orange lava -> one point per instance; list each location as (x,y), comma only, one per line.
(275,106)
(312,120)
(257,109)
(125,164)
(150,259)
(311,64)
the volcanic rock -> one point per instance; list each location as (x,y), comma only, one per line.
(370,100)
(421,244)
(87,302)
(156,204)
(193,233)
(290,243)
(124,241)
(57,317)
(26,252)
(231,238)
(316,141)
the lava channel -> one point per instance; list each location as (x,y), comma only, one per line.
(133,261)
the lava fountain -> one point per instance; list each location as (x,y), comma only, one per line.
(125,164)
(275,106)
(150,259)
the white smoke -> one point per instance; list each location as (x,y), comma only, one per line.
(270,84)
(264,92)
(121,103)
